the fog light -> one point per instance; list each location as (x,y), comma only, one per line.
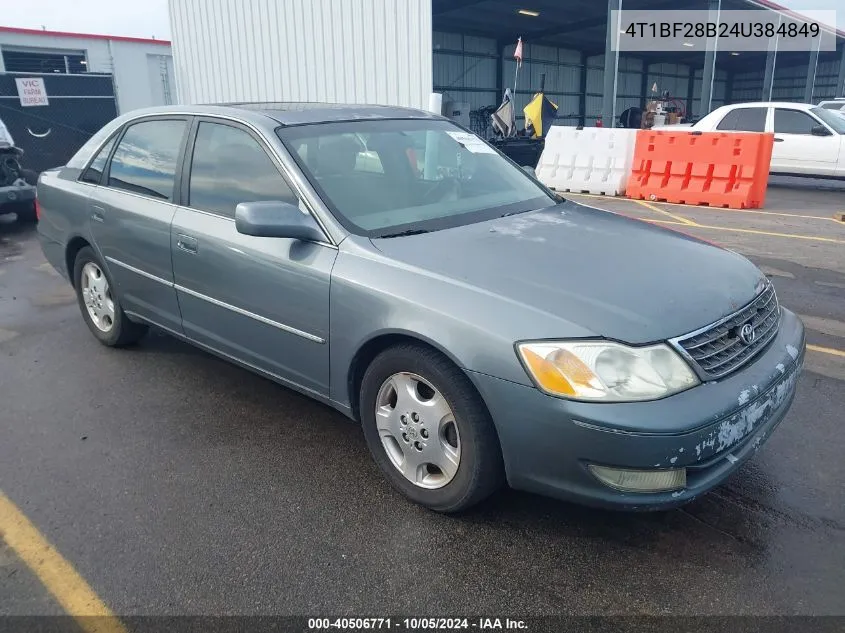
(641,480)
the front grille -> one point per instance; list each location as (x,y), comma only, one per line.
(718,349)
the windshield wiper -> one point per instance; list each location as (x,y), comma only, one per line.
(404,233)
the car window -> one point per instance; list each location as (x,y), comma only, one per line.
(744,120)
(229,167)
(95,169)
(145,159)
(834,119)
(834,105)
(793,122)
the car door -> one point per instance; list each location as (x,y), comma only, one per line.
(797,149)
(131,212)
(263,301)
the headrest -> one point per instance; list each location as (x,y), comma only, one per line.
(337,157)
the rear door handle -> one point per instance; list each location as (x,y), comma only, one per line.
(778,140)
(187,243)
(97,213)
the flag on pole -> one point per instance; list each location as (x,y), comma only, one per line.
(504,118)
(517,53)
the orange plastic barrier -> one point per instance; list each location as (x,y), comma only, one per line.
(720,169)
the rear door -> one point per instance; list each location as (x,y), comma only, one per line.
(796,149)
(131,214)
(261,300)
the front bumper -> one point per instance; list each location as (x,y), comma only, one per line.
(711,429)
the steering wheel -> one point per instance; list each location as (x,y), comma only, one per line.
(443,188)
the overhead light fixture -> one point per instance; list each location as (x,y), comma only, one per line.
(689,44)
(735,54)
(529,12)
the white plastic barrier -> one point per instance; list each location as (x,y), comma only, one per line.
(592,160)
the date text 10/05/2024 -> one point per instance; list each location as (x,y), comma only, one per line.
(415,624)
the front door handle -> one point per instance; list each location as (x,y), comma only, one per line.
(97,213)
(778,140)
(187,243)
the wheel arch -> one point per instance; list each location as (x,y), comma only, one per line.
(376,344)
(74,245)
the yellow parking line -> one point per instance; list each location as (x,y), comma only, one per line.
(677,218)
(56,574)
(772,233)
(826,350)
(702,207)
(659,221)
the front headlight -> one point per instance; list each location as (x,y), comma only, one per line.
(605,371)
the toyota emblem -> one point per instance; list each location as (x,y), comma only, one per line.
(747,334)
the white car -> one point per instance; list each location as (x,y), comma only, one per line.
(809,140)
(837,105)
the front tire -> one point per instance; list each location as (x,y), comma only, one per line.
(99,304)
(428,429)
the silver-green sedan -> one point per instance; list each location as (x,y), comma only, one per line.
(396,267)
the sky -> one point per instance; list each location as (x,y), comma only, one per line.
(149,18)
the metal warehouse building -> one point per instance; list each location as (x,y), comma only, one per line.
(399,51)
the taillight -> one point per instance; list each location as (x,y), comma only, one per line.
(37,209)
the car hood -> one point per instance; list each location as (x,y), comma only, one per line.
(618,277)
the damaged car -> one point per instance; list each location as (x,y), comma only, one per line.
(17,185)
(398,268)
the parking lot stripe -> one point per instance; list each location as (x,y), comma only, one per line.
(677,218)
(56,574)
(702,207)
(772,233)
(826,350)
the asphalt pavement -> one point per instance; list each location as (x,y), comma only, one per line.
(176,483)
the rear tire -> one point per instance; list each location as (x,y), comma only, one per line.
(429,413)
(95,293)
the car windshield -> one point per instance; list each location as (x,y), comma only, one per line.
(388,177)
(832,118)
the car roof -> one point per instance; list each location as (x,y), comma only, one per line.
(292,113)
(771,104)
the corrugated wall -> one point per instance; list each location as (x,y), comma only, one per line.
(355,51)
(789,83)
(465,69)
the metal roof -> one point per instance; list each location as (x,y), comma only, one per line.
(85,36)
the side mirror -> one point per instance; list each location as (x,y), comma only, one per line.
(528,169)
(820,130)
(274,218)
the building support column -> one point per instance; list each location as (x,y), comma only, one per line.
(582,90)
(690,91)
(608,103)
(769,73)
(709,72)
(839,90)
(811,74)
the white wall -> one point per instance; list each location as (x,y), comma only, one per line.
(355,51)
(128,61)
(135,86)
